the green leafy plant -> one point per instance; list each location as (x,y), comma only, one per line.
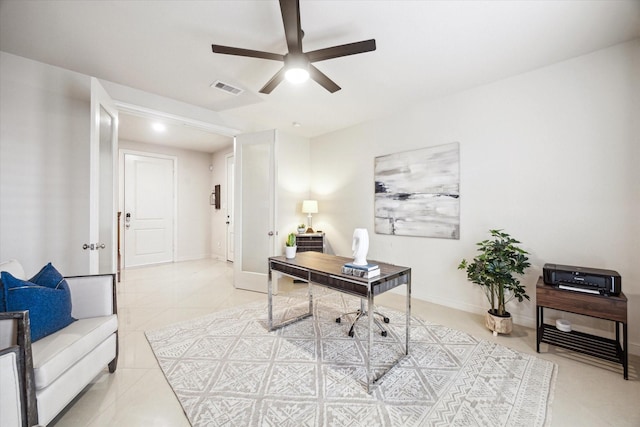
(291,240)
(494,268)
(302,226)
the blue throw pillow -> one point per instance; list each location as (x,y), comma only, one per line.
(3,299)
(46,296)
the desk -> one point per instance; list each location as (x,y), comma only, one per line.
(325,270)
(613,308)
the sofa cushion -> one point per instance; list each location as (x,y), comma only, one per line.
(15,268)
(54,354)
(46,296)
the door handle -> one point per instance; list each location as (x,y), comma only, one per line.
(93,246)
(270,233)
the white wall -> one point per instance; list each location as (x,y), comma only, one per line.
(194,187)
(44,165)
(293,159)
(551,156)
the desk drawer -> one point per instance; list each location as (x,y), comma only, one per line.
(343,285)
(378,288)
(290,270)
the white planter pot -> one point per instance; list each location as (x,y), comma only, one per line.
(290,251)
(498,324)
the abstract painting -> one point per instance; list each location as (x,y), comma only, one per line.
(417,192)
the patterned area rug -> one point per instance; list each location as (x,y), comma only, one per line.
(228,370)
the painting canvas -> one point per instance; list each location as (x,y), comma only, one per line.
(417,193)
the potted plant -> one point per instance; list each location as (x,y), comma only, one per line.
(301,228)
(290,246)
(499,260)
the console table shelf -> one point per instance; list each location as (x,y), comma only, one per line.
(591,345)
(613,308)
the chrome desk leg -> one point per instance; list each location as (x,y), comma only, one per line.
(270,300)
(370,309)
(310,294)
(270,324)
(408,314)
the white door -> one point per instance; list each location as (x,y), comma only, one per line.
(254,210)
(102,182)
(148,218)
(229,206)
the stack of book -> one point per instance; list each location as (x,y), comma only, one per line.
(366,271)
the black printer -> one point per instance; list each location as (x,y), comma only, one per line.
(582,279)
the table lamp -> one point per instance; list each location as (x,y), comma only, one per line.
(309,207)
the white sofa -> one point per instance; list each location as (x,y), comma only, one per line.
(59,366)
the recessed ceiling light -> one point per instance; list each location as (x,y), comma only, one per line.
(159,127)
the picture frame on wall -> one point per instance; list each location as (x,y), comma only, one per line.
(417,192)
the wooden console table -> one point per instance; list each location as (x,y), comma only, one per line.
(310,242)
(613,308)
(326,270)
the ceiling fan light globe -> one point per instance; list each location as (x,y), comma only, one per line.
(297,75)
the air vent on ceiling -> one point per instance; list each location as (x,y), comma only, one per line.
(227,87)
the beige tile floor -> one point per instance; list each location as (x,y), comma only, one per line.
(137,394)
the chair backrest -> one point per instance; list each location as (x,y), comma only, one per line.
(14,267)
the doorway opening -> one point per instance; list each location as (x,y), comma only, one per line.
(185,141)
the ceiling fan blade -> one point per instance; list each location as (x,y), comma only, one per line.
(227,50)
(290,10)
(322,79)
(342,50)
(275,81)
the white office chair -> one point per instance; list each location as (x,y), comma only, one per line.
(362,312)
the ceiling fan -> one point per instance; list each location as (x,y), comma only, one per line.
(299,64)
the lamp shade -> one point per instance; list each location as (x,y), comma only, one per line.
(310,206)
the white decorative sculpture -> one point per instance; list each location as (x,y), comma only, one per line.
(360,246)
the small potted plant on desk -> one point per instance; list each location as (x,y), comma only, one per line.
(290,246)
(494,269)
(301,228)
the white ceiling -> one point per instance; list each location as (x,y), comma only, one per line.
(176,133)
(425,49)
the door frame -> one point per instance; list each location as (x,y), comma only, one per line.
(100,98)
(230,201)
(121,173)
